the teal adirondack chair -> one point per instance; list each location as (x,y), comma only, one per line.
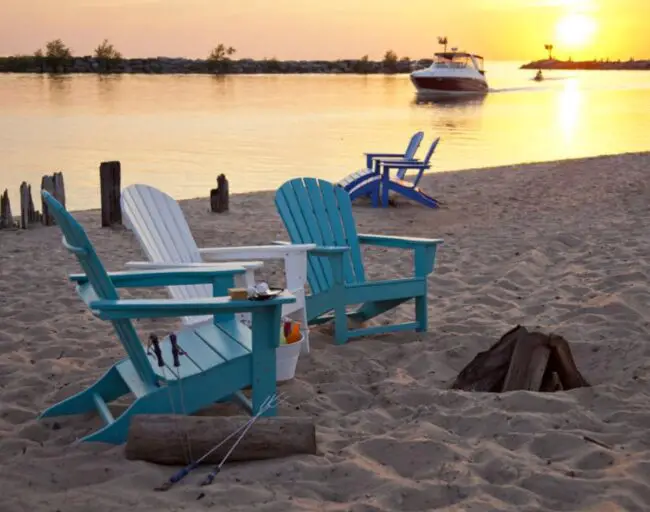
(316,211)
(217,359)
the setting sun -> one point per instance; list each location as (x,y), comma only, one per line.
(575,30)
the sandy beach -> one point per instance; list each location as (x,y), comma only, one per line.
(560,246)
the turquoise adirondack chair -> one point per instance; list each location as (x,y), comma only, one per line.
(217,359)
(316,211)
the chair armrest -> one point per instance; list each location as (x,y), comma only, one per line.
(253,252)
(400,242)
(168,308)
(318,250)
(370,157)
(329,251)
(163,277)
(424,249)
(374,155)
(151,265)
(405,165)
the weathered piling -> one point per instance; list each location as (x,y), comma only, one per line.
(109,184)
(6,218)
(28,214)
(47,183)
(219,197)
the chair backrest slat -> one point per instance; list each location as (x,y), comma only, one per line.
(432,149)
(76,241)
(401,173)
(315,211)
(159,224)
(413,145)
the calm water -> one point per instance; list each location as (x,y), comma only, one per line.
(179,132)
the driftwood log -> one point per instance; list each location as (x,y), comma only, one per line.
(110,177)
(522,360)
(219,197)
(164,439)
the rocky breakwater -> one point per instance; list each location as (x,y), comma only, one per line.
(167,65)
(588,64)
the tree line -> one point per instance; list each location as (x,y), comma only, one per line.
(55,54)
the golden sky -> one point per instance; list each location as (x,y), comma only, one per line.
(330,29)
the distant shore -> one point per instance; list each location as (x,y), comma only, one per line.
(588,64)
(168,65)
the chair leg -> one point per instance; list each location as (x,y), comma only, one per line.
(245,281)
(266,337)
(295,269)
(109,387)
(374,198)
(340,325)
(157,402)
(421,313)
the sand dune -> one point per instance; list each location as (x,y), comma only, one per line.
(560,246)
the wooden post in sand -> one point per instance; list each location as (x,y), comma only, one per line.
(59,189)
(47,183)
(219,197)
(163,439)
(109,183)
(28,215)
(6,219)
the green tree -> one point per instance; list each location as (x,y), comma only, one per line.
(57,50)
(55,56)
(219,58)
(549,49)
(390,61)
(107,56)
(362,65)
(106,51)
(39,57)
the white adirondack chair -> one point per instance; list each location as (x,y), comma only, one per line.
(158,223)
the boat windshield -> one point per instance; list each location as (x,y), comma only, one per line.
(450,60)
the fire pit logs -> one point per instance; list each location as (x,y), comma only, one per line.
(522,360)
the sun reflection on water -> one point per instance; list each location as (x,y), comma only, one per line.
(569,108)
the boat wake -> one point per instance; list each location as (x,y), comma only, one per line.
(540,85)
(521,89)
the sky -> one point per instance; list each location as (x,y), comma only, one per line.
(332,29)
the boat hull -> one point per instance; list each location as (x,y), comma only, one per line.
(448,84)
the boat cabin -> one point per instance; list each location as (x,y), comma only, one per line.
(458,60)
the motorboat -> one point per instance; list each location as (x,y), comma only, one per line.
(539,76)
(452,72)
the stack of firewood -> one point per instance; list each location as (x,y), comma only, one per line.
(522,360)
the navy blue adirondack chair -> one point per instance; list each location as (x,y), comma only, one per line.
(353,181)
(218,359)
(316,211)
(379,185)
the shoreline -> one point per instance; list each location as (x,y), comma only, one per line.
(170,65)
(595,65)
(437,172)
